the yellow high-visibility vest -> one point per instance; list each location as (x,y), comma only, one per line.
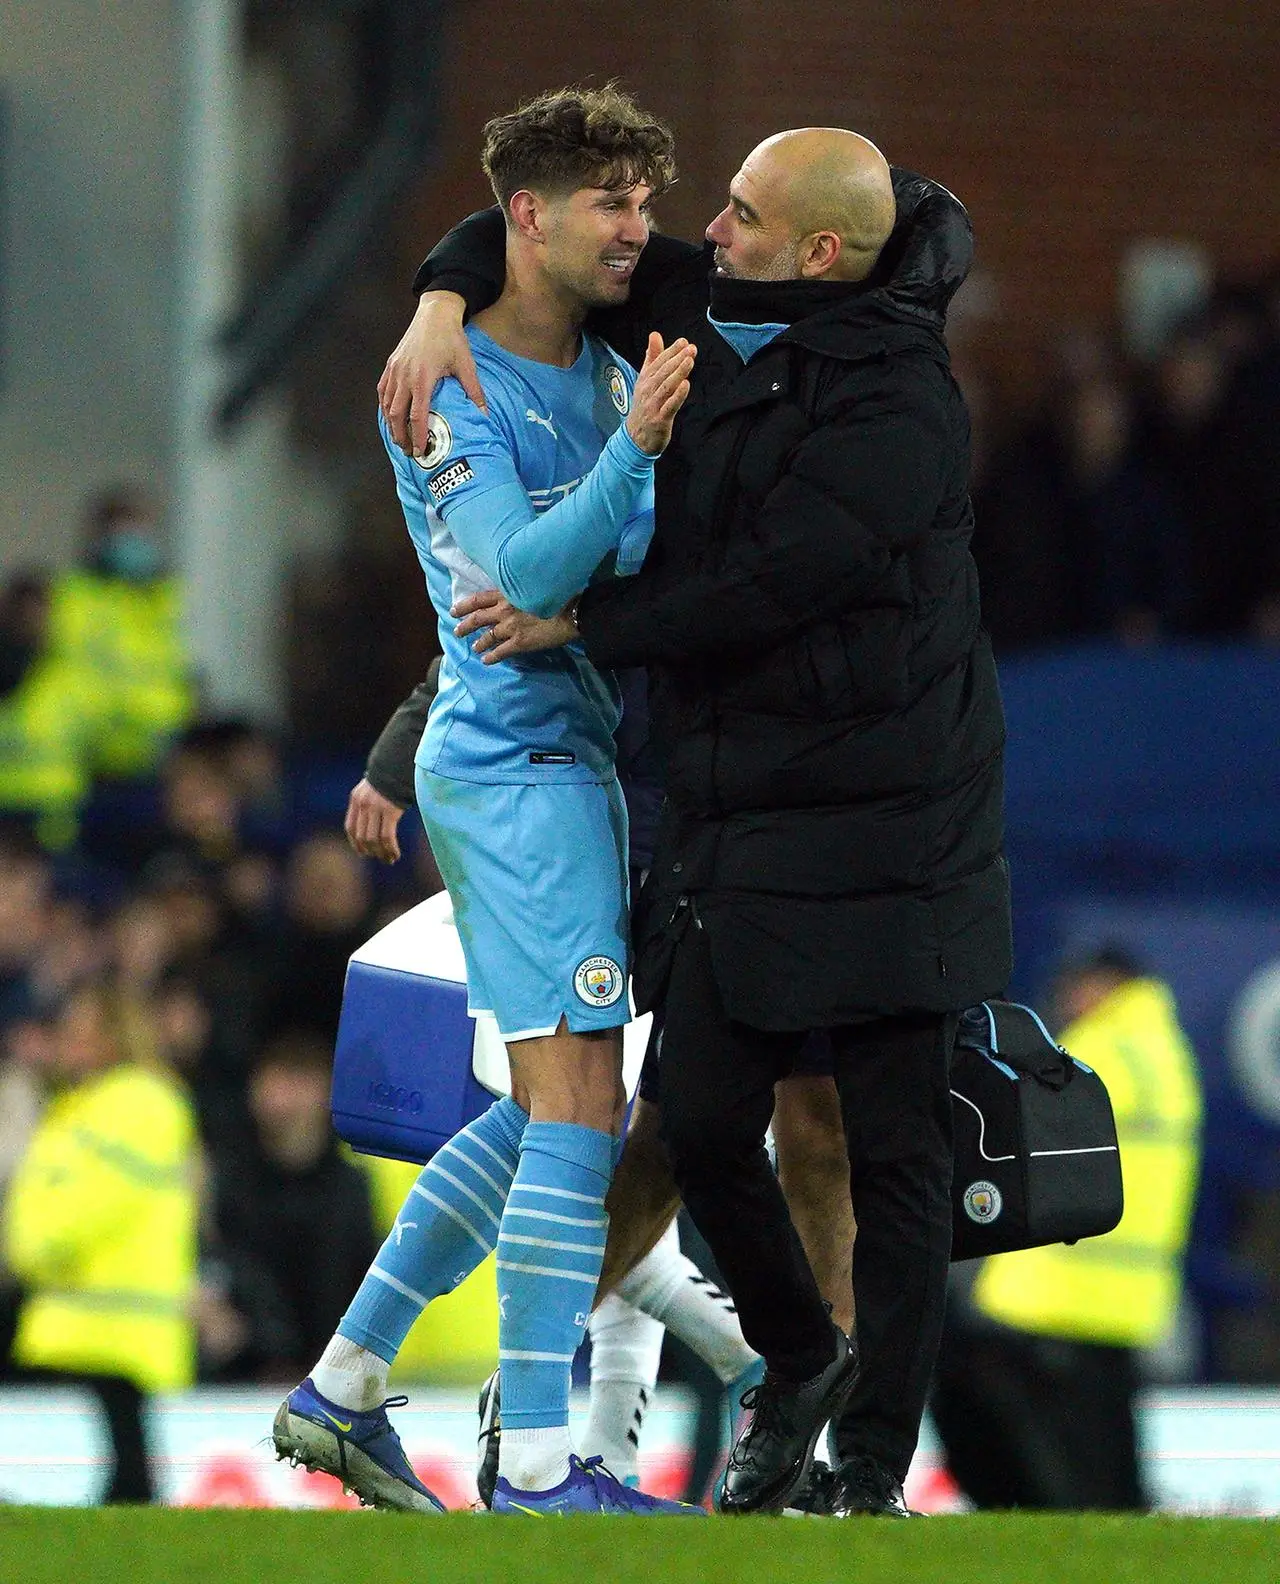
(128,638)
(1120,1290)
(47,728)
(99,1226)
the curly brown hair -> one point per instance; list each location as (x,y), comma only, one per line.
(577,137)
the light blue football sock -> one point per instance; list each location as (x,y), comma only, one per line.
(447,1225)
(550,1251)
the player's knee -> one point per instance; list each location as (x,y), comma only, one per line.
(646,1117)
(574,1078)
(644,1170)
(573,1102)
(646,1150)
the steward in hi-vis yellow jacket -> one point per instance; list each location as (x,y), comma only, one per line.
(48,723)
(100,1228)
(127,637)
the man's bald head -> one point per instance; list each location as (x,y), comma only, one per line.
(815,203)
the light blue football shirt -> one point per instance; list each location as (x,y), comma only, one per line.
(538,497)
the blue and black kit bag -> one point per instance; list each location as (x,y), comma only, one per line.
(1036,1158)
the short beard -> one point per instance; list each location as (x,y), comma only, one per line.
(782,266)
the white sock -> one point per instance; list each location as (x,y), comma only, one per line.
(670,1287)
(351,1376)
(534,1460)
(626,1350)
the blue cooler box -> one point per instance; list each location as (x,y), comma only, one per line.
(410,1066)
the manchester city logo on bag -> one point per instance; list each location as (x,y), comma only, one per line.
(982,1202)
(599,981)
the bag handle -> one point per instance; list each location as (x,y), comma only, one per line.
(1015,1035)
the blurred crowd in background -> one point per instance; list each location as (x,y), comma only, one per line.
(1142,501)
(177,906)
(165,907)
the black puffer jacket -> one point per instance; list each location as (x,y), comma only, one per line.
(824,695)
(821,690)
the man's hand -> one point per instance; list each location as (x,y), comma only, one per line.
(371,823)
(432,347)
(661,389)
(508,631)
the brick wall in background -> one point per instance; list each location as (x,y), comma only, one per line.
(1069,132)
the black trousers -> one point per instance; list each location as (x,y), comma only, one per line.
(716,1095)
(1038,1421)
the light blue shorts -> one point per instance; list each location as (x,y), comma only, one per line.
(538,880)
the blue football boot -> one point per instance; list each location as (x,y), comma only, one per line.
(590,1488)
(360,1449)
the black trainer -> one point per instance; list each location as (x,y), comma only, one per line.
(772,1456)
(490,1409)
(862,1488)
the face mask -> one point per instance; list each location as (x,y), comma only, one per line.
(131,555)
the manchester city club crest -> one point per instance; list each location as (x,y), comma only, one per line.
(982,1202)
(439,442)
(619,395)
(599,981)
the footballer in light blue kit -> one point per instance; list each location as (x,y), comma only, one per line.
(549,488)
(515,772)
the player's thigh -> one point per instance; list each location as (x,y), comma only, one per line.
(575,888)
(578,898)
(538,880)
(572,1077)
(463,821)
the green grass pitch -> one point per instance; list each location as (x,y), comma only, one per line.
(168,1546)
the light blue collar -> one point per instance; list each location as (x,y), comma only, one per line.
(745,339)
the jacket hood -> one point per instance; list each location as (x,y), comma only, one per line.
(929,252)
(920,269)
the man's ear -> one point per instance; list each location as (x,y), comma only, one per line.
(819,254)
(527,212)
